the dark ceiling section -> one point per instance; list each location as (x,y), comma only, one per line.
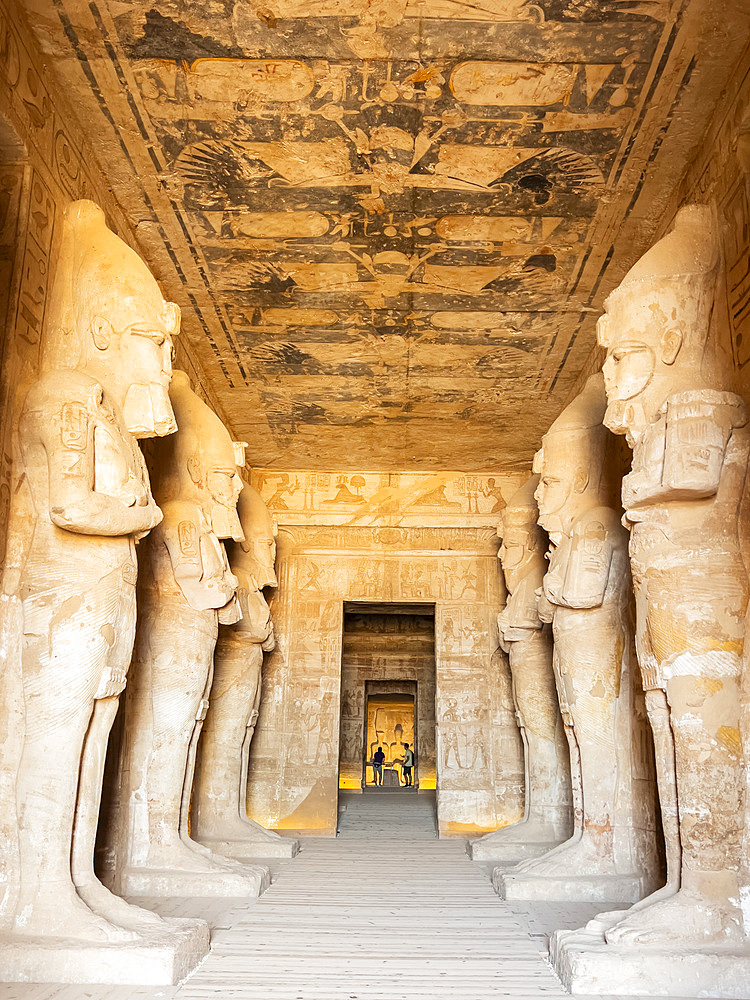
(401,210)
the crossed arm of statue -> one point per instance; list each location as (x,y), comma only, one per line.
(697,433)
(588,569)
(79,449)
(545,607)
(187,541)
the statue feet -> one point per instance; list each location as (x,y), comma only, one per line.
(213,860)
(195,846)
(684,918)
(581,855)
(175,869)
(531,838)
(60,912)
(115,908)
(235,828)
(188,856)
(603,921)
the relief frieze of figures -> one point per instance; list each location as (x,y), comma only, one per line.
(301,538)
(367,497)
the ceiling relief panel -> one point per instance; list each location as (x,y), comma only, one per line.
(401,210)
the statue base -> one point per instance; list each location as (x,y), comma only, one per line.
(507,853)
(587,964)
(254,847)
(163,958)
(176,882)
(571,888)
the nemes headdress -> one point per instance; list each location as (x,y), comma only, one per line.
(201,443)
(522,509)
(578,434)
(99,275)
(672,285)
(258,526)
(255,516)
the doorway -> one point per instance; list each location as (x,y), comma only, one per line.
(391,726)
(387,694)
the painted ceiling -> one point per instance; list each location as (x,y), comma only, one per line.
(390,223)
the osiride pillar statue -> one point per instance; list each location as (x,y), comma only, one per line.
(669,393)
(220,819)
(81,503)
(528,641)
(587,595)
(186,590)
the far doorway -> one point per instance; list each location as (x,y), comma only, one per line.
(391,728)
(387,695)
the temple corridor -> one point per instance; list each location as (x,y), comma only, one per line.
(366,916)
(374,499)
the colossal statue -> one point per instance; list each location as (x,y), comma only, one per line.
(667,387)
(587,596)
(528,641)
(186,589)
(219,815)
(82,502)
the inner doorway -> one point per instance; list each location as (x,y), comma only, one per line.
(391,728)
(387,695)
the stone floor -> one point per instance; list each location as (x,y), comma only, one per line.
(384,912)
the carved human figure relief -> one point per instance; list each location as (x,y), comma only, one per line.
(587,597)
(528,641)
(668,390)
(219,815)
(83,500)
(186,589)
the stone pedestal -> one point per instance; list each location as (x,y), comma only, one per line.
(578,888)
(587,964)
(505,852)
(161,959)
(258,843)
(251,881)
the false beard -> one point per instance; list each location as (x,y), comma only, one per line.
(148,411)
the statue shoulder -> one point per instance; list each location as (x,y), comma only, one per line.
(178,510)
(598,520)
(181,529)
(64,386)
(705,403)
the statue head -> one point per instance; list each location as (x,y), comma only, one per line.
(257,553)
(522,537)
(108,317)
(570,463)
(200,461)
(656,323)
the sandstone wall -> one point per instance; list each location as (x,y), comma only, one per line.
(376,553)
